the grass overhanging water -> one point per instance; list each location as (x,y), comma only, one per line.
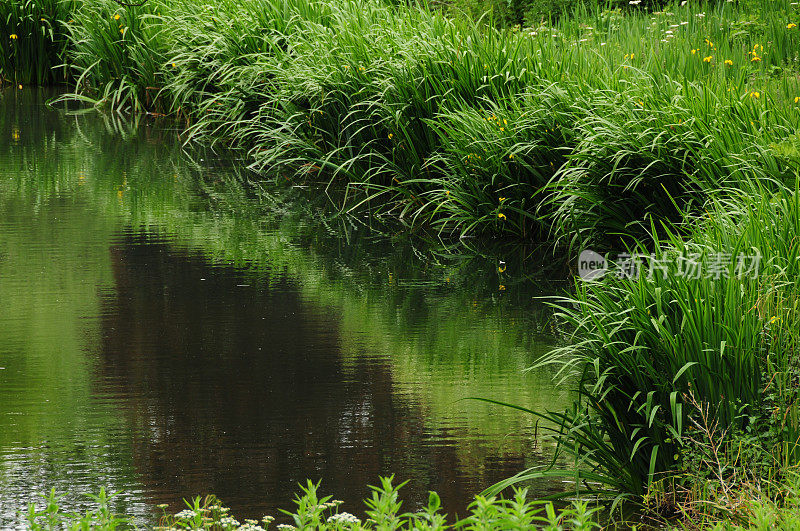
(667,133)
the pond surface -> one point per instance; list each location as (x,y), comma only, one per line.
(167,330)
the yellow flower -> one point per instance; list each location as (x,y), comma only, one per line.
(755,59)
(503,199)
(19,86)
(708,59)
(501,215)
(511,156)
(755,95)
(116,17)
(501,269)
(694,51)
(728,62)
(791,25)
(13,36)
(501,287)
(122,30)
(174,65)
(797,99)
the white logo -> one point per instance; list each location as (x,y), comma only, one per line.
(591,265)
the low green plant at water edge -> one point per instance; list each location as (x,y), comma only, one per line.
(315,512)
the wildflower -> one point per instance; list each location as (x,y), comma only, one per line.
(186,514)
(43,19)
(229,521)
(755,95)
(755,59)
(501,287)
(503,199)
(13,36)
(343,518)
(791,25)
(694,51)
(797,99)
(162,505)
(267,519)
(391,135)
(19,86)
(116,17)
(174,65)
(502,267)
(708,59)
(501,215)
(511,156)
(728,62)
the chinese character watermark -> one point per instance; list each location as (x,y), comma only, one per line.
(717,265)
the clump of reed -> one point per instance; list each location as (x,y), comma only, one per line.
(693,348)
(33,41)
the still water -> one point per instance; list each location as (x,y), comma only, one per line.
(167,330)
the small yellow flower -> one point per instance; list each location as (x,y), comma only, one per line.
(43,19)
(797,99)
(728,62)
(694,51)
(503,199)
(122,31)
(708,59)
(755,95)
(19,86)
(755,59)
(501,215)
(511,156)
(501,269)
(13,36)
(501,287)
(116,17)
(791,25)
(174,65)
(391,135)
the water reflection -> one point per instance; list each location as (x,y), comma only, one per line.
(166,331)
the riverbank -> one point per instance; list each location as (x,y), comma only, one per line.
(669,135)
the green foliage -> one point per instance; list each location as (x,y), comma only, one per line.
(33,41)
(312,512)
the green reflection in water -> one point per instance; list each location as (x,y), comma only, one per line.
(444,326)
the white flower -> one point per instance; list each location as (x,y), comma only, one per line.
(251,527)
(186,514)
(343,518)
(229,521)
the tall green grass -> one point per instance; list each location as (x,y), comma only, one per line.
(33,41)
(669,364)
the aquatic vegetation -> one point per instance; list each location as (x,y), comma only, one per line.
(33,41)
(315,512)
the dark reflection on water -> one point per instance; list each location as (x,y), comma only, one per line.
(238,387)
(167,333)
